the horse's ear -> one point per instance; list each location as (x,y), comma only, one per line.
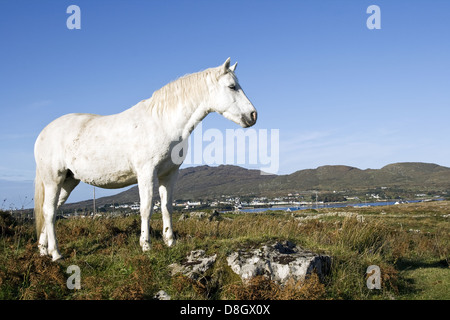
(233,67)
(226,66)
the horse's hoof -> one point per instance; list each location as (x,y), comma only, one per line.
(170,242)
(146,247)
(43,251)
(57,258)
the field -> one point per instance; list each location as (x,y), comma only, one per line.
(409,242)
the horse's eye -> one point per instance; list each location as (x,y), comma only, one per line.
(232,87)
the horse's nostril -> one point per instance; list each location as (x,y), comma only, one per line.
(254,116)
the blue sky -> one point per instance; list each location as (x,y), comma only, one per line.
(338,92)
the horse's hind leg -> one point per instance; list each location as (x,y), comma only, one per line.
(47,239)
(69,184)
(166,185)
(48,235)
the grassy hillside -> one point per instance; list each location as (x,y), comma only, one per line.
(414,176)
(208,182)
(409,242)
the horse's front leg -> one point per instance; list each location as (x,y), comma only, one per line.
(166,185)
(145,184)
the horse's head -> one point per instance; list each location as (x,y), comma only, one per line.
(230,100)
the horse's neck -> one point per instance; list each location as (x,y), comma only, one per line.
(188,124)
(181,120)
(181,105)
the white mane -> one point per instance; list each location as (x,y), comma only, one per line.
(194,87)
(171,96)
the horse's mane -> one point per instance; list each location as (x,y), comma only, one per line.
(191,87)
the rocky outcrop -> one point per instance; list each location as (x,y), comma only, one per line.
(319,216)
(213,216)
(279,262)
(195,265)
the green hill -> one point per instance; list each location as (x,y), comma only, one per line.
(408,175)
(209,182)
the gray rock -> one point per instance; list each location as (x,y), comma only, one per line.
(319,216)
(279,262)
(161,295)
(215,216)
(183,217)
(195,265)
(198,214)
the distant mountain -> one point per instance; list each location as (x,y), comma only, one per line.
(209,182)
(406,175)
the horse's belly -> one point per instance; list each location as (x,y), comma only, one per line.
(105,176)
(108,181)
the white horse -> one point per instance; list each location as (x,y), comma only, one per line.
(134,146)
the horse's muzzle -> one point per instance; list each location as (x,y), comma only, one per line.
(251,120)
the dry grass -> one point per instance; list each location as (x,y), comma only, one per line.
(262,288)
(30,276)
(406,241)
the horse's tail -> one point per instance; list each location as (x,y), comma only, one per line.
(38,203)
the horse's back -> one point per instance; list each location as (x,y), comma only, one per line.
(57,137)
(61,130)
(94,148)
